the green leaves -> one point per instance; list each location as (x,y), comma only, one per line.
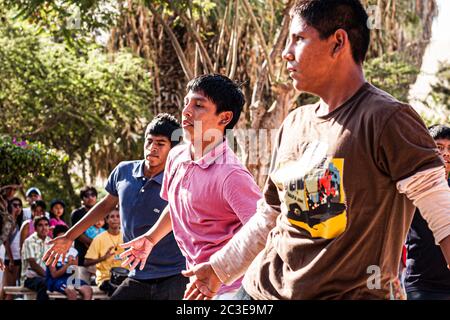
(22,159)
(391,73)
(78,101)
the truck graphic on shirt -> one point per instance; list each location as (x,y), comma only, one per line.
(316,202)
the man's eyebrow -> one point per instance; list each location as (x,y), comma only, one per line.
(201,98)
(299,33)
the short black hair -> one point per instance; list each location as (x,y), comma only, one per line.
(327,16)
(60,228)
(53,203)
(36,220)
(222,91)
(86,189)
(164,124)
(38,203)
(19,218)
(439,131)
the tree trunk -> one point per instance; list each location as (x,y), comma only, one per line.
(74,199)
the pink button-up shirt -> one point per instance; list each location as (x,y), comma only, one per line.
(209,200)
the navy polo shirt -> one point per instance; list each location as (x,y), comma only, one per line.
(140,207)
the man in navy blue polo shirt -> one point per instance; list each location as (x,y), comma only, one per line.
(135,186)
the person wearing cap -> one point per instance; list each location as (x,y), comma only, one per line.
(57,211)
(33,194)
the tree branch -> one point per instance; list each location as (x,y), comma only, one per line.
(260,36)
(203,52)
(176,45)
(221,38)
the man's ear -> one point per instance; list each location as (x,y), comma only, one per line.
(340,41)
(225,117)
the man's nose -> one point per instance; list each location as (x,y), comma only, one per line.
(187,110)
(153,147)
(287,53)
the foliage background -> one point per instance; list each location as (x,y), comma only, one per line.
(84,76)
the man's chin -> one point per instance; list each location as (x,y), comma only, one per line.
(153,162)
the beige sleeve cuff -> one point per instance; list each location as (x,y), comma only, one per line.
(231,262)
(430,193)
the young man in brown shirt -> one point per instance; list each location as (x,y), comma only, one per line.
(346,175)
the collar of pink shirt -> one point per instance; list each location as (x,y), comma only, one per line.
(220,154)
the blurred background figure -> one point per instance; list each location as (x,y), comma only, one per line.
(12,247)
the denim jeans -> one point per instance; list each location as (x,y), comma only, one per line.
(167,288)
(242,295)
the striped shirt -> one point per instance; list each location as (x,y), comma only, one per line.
(33,247)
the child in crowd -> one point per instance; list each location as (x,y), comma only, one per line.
(57,211)
(59,278)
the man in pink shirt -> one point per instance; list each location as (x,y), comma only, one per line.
(211,195)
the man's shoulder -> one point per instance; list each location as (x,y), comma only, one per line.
(300,113)
(178,149)
(175,154)
(128,165)
(77,214)
(31,239)
(379,99)
(101,237)
(78,211)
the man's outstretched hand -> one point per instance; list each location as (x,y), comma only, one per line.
(59,248)
(138,252)
(205,283)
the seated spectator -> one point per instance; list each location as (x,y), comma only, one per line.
(33,267)
(12,246)
(57,211)
(59,278)
(104,252)
(27,229)
(95,230)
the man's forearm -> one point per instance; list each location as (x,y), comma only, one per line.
(99,211)
(91,262)
(58,273)
(36,268)
(161,228)
(431,195)
(85,240)
(445,247)
(231,262)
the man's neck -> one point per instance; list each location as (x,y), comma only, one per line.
(343,86)
(114,231)
(41,237)
(150,171)
(199,149)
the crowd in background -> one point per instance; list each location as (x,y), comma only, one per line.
(88,262)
